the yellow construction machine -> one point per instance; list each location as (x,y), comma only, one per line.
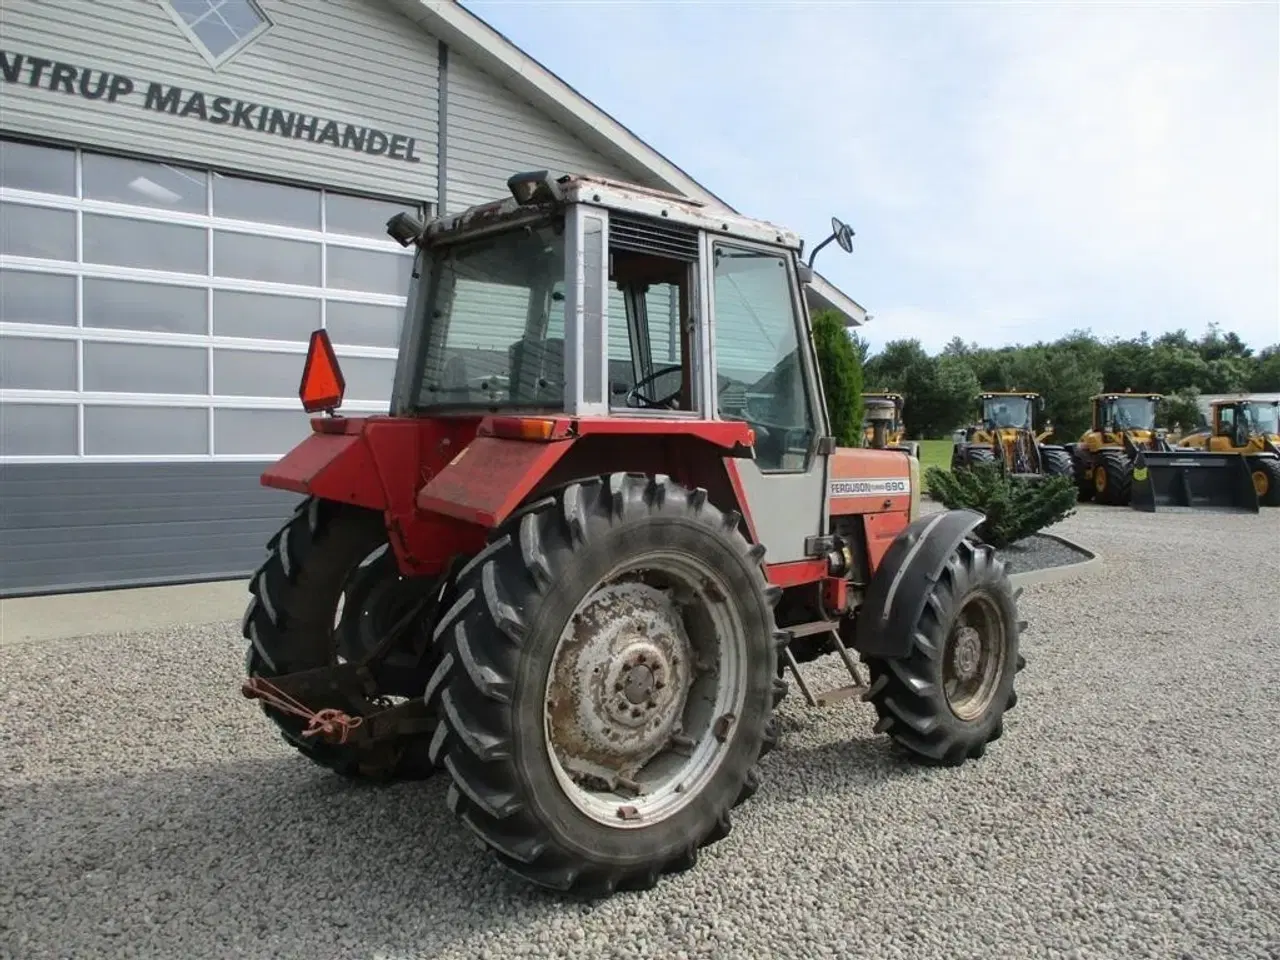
(1125,460)
(1006,430)
(894,428)
(1123,424)
(1248,426)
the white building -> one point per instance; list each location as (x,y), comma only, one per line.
(187,189)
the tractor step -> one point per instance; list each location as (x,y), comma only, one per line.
(835,694)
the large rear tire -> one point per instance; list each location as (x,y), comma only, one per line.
(327,559)
(600,623)
(1266,480)
(1113,478)
(946,700)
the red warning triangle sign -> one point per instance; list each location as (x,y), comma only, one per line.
(322,384)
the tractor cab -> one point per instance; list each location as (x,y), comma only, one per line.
(1131,413)
(1008,411)
(581,298)
(1243,421)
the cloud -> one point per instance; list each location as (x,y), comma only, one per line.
(1012,171)
(1122,171)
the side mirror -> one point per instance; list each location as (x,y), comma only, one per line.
(843,234)
(1039,403)
(840,233)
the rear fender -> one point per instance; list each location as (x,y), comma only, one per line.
(334,463)
(896,596)
(498,474)
(487,480)
(379,463)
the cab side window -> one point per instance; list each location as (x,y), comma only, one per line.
(759,370)
(650,348)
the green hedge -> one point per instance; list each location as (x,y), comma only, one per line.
(841,372)
(1014,507)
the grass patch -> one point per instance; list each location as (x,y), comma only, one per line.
(933,453)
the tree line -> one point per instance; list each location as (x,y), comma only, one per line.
(939,391)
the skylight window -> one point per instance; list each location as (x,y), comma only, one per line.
(219,28)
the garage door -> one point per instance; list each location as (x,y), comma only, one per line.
(154,313)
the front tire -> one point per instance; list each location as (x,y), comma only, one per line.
(1057,462)
(946,700)
(967,456)
(568,678)
(1266,480)
(1083,473)
(1113,478)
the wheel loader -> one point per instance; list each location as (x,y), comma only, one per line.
(1125,460)
(1249,427)
(1005,432)
(894,429)
(570,568)
(1102,459)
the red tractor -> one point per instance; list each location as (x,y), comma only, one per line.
(604,516)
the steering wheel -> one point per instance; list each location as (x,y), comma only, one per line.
(667,401)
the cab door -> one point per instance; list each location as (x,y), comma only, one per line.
(765,373)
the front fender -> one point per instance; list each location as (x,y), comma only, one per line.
(896,596)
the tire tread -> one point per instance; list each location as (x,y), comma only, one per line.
(474,683)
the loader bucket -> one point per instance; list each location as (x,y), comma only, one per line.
(1164,480)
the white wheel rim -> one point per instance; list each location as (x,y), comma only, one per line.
(639,687)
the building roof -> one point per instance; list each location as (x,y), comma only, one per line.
(463,31)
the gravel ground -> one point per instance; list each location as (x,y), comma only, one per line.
(1038,552)
(1130,811)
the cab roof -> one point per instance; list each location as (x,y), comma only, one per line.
(613,195)
(1232,401)
(992,394)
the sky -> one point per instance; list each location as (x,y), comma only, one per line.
(1012,171)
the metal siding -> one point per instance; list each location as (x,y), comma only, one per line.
(93,525)
(493,134)
(352,62)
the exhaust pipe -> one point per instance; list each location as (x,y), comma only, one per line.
(1188,480)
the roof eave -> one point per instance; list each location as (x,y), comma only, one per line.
(823,295)
(460,29)
(469,35)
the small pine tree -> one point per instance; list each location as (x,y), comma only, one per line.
(1014,507)
(841,370)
